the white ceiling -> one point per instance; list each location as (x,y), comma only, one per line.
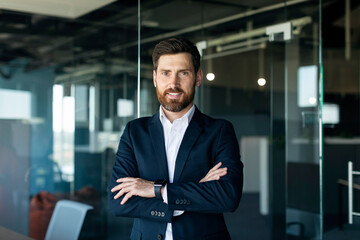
(58,8)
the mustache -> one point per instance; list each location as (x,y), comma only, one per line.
(173,90)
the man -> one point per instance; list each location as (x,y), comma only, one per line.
(179,170)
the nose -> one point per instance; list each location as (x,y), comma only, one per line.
(174,81)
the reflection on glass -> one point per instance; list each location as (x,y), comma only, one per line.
(15,104)
(307,86)
(63,132)
(303,184)
(331,113)
(125,107)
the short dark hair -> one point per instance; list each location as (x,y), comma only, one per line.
(176,45)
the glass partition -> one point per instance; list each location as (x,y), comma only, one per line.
(296,137)
(341,117)
(303,135)
(67,89)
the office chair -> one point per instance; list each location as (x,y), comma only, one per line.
(67,220)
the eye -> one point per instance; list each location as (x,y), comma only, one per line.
(164,73)
(184,74)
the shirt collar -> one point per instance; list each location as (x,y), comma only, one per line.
(187,115)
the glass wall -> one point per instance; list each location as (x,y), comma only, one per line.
(67,89)
(303,137)
(296,138)
(341,116)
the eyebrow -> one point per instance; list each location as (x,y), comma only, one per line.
(168,70)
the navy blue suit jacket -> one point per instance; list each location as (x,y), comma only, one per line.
(206,142)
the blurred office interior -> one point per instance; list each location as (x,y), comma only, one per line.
(286,73)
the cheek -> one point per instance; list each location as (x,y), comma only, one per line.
(162,84)
(189,86)
(160,88)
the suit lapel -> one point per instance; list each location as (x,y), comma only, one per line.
(158,143)
(191,135)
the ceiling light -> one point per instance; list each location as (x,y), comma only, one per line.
(312,100)
(210,76)
(261,82)
(149,23)
(57,8)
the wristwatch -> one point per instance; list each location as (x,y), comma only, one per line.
(158,184)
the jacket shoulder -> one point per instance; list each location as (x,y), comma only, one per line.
(210,121)
(140,121)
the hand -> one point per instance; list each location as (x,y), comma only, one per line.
(133,187)
(215,173)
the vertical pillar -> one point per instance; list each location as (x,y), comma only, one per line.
(347,31)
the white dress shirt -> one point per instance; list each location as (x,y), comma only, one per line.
(173,135)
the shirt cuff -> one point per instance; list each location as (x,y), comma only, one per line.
(165,199)
(164,196)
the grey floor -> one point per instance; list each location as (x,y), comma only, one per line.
(246,222)
(347,233)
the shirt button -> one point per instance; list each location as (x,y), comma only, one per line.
(159,237)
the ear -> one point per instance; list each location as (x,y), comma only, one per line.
(154,77)
(199,76)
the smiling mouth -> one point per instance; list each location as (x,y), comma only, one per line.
(173,95)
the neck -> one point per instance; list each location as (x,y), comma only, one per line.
(172,116)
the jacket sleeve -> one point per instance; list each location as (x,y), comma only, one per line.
(137,207)
(213,196)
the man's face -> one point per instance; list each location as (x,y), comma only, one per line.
(175,80)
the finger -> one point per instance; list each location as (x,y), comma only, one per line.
(119,194)
(216,167)
(219,170)
(216,175)
(123,190)
(121,186)
(127,197)
(209,175)
(116,188)
(126,179)
(216,172)
(221,174)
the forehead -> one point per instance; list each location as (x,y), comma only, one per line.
(178,60)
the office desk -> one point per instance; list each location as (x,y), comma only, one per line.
(11,235)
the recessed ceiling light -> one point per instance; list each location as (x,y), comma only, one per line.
(312,100)
(149,23)
(210,76)
(261,82)
(57,8)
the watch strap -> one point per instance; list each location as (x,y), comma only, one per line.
(158,184)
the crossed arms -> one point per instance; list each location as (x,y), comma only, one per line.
(218,191)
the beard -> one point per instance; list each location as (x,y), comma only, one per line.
(175,105)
